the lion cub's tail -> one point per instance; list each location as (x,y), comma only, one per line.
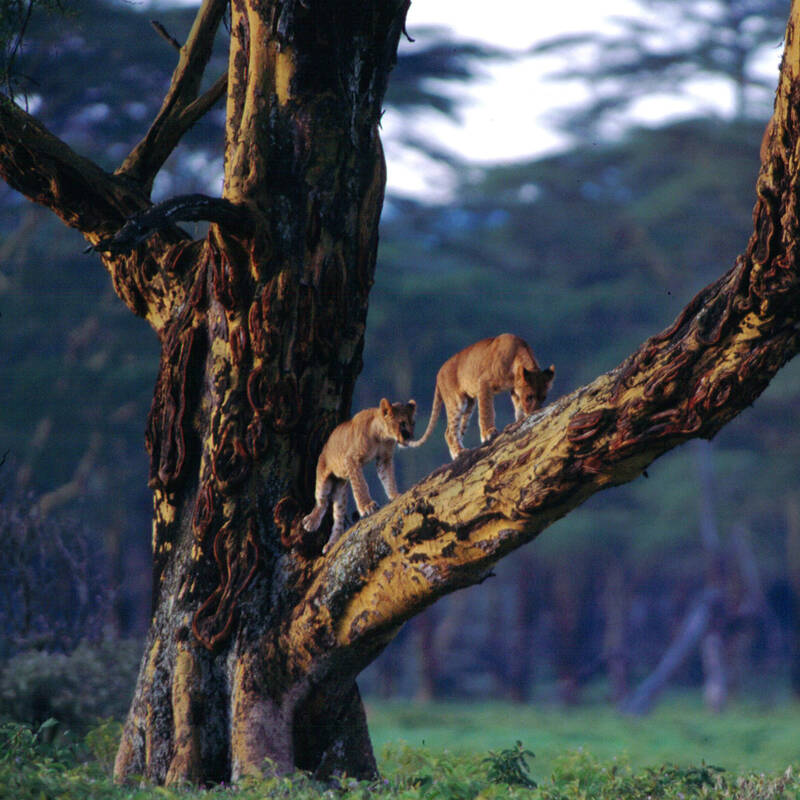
(436,408)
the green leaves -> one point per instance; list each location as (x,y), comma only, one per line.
(510,766)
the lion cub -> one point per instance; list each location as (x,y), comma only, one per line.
(479,372)
(372,433)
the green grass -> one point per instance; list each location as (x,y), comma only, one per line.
(746,738)
(476,752)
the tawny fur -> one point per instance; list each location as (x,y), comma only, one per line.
(477,373)
(370,434)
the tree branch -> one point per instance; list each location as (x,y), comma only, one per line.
(688,381)
(46,170)
(184,208)
(448,530)
(165,34)
(174,117)
(194,111)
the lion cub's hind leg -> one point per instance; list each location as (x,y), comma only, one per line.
(486,412)
(466,415)
(322,492)
(339,503)
(458,414)
(451,433)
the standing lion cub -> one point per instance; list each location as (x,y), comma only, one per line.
(479,372)
(372,433)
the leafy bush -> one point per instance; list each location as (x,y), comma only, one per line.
(77,689)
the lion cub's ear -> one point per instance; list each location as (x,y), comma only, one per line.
(412,404)
(386,407)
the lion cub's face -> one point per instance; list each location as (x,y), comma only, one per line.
(531,387)
(398,420)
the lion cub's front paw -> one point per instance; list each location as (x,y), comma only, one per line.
(368,509)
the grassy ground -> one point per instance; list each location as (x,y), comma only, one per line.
(746,738)
(477,752)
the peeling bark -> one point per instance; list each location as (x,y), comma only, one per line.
(256,640)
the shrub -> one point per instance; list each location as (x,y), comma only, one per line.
(92,682)
(510,767)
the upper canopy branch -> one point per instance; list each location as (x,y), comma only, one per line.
(181,107)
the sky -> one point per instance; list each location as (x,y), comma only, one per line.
(505,116)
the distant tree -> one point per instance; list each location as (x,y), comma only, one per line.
(719,39)
(256,638)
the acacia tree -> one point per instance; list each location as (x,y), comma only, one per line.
(256,638)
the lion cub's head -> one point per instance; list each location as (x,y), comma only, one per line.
(531,386)
(398,420)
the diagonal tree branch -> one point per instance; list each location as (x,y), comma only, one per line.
(449,530)
(195,110)
(688,381)
(165,34)
(179,111)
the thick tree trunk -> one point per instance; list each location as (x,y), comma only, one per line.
(256,640)
(257,369)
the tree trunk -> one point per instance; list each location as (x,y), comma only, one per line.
(616,601)
(793,570)
(712,645)
(257,369)
(567,599)
(256,640)
(527,603)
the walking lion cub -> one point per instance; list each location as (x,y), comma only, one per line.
(479,372)
(372,433)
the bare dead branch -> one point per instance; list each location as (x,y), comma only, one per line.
(194,111)
(165,34)
(686,639)
(73,488)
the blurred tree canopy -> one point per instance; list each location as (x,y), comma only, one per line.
(671,46)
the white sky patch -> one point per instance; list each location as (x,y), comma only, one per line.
(509,113)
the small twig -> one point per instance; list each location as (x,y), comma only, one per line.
(165,34)
(13,50)
(405,22)
(196,109)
